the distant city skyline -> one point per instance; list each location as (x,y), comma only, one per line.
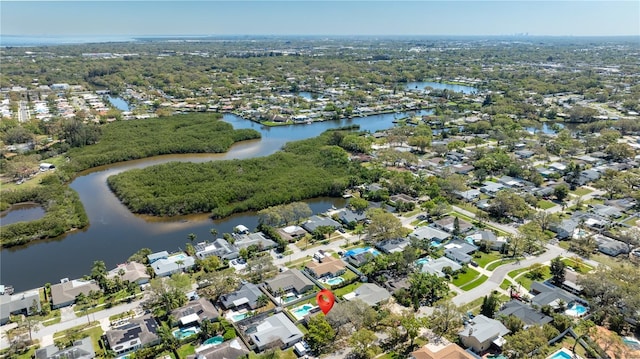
(457,18)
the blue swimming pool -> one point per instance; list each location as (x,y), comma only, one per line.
(218,339)
(631,342)
(301,311)
(422,261)
(183,333)
(334,280)
(576,310)
(356,251)
(561,354)
(239,317)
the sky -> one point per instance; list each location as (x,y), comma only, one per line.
(320,17)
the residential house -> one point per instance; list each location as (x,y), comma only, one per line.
(275,331)
(220,248)
(138,333)
(565,228)
(174,263)
(157,256)
(481,332)
(20,303)
(607,211)
(230,349)
(469,195)
(437,265)
(448,224)
(349,216)
(459,251)
(289,281)
(292,233)
(370,293)
(65,292)
(552,296)
(488,237)
(393,245)
(401,197)
(444,351)
(511,182)
(244,240)
(623,204)
(428,233)
(522,154)
(611,247)
(326,267)
(80,349)
(491,188)
(524,312)
(246,296)
(197,310)
(316,221)
(462,169)
(133,272)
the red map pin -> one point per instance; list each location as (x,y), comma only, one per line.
(325,300)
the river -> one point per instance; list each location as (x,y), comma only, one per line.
(115,233)
(420,85)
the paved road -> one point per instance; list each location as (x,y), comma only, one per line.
(23,112)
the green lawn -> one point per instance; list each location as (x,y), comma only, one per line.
(346,289)
(495,265)
(505,284)
(544,204)
(525,281)
(581,191)
(185,350)
(486,258)
(95,332)
(412,213)
(349,275)
(464,278)
(579,267)
(483,278)
(514,273)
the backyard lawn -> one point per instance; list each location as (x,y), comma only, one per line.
(346,289)
(579,267)
(525,280)
(581,191)
(185,350)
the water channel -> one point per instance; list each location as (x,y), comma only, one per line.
(21,212)
(115,233)
(420,86)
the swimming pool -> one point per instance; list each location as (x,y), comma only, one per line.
(436,244)
(576,310)
(239,317)
(356,251)
(334,280)
(422,261)
(563,354)
(183,333)
(301,311)
(631,342)
(218,339)
(178,257)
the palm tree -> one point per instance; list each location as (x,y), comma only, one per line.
(262,300)
(180,263)
(192,237)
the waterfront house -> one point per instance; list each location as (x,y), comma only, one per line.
(326,266)
(245,297)
(80,349)
(258,239)
(157,256)
(317,221)
(291,281)
(370,293)
(220,248)
(275,331)
(18,303)
(133,272)
(292,233)
(481,332)
(175,263)
(197,310)
(138,333)
(349,216)
(65,292)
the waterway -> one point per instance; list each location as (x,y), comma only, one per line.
(119,103)
(115,233)
(21,212)
(420,85)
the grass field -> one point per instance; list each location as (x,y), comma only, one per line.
(581,191)
(544,204)
(486,258)
(476,282)
(495,265)
(464,278)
